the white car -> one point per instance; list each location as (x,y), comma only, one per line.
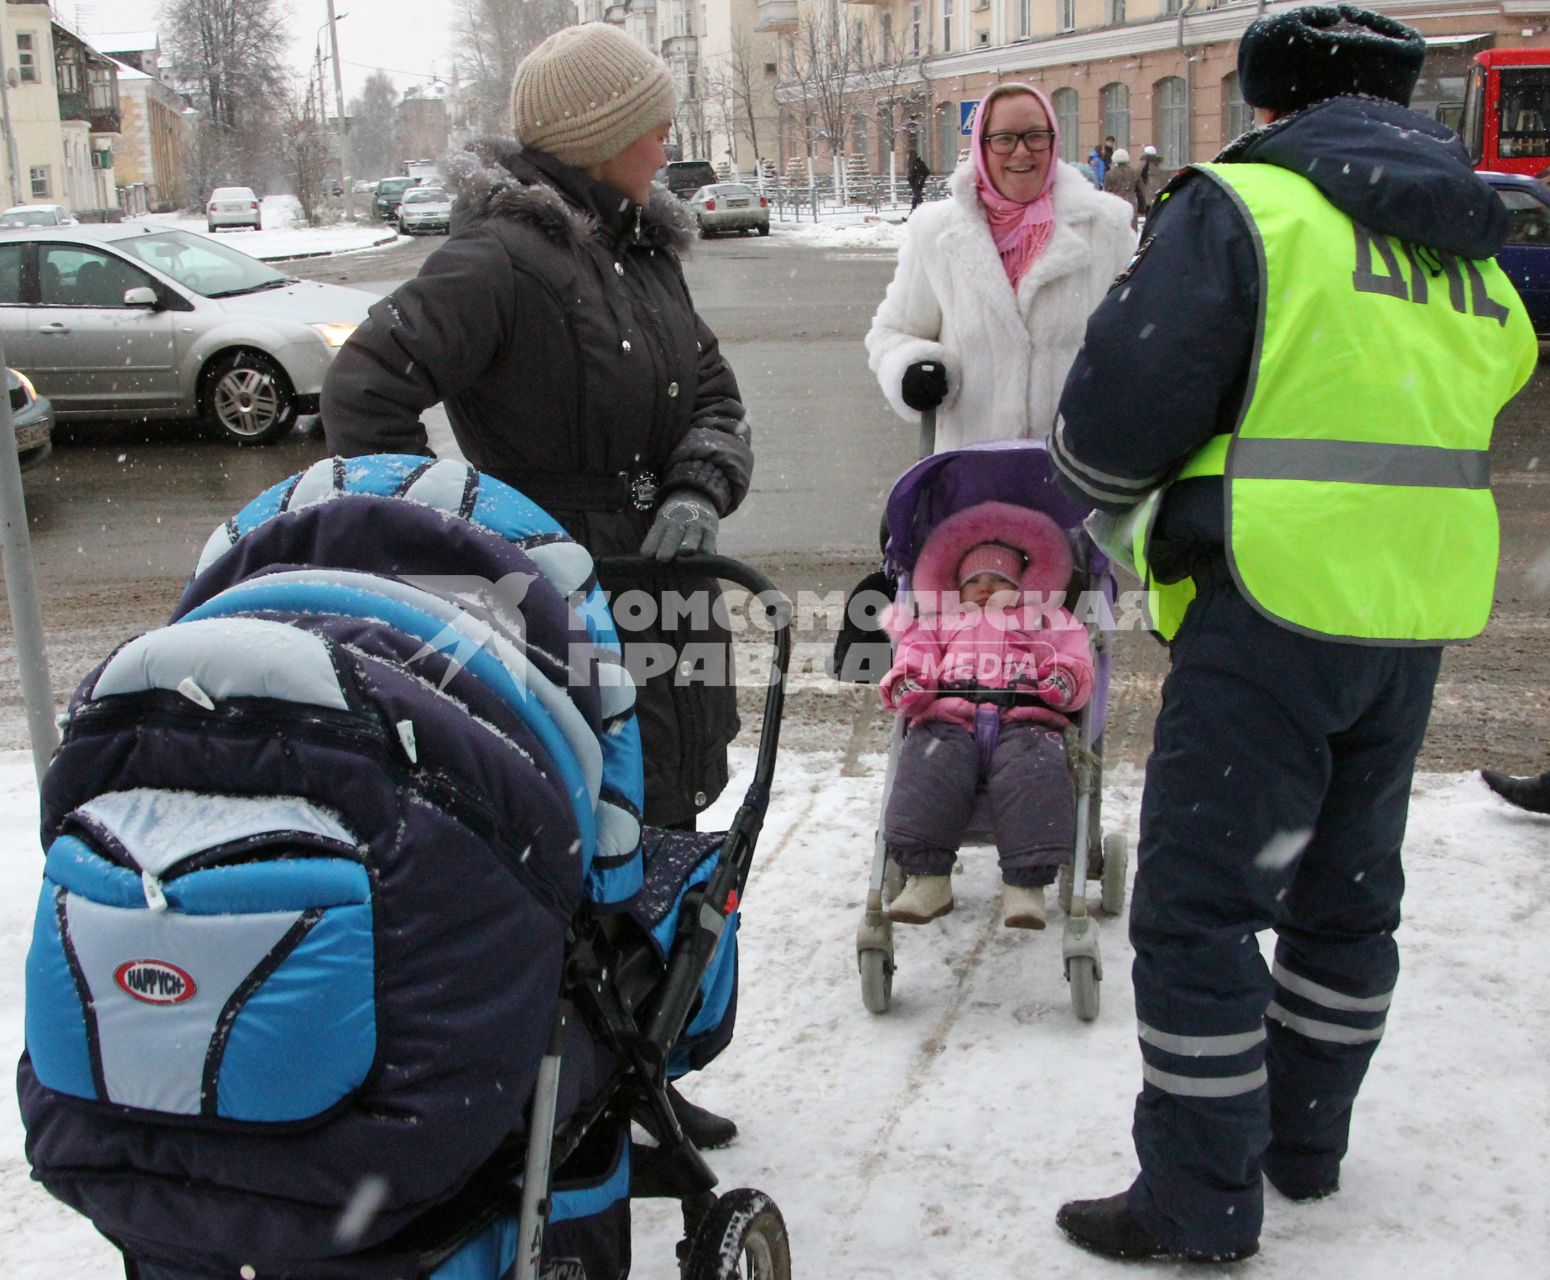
(233,207)
(730,206)
(125,320)
(36,215)
(424,209)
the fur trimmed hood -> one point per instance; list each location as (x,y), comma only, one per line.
(1040,540)
(494,178)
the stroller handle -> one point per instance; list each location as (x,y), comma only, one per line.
(700,932)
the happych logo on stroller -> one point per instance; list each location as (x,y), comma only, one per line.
(352,959)
(953,493)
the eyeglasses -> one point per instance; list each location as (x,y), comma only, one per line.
(1038,141)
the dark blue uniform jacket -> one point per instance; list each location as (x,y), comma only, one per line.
(1167,353)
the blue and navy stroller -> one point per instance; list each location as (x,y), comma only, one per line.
(1018,472)
(352,958)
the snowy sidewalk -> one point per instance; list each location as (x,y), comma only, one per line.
(937,1141)
(284,236)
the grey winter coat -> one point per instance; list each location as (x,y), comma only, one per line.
(556,327)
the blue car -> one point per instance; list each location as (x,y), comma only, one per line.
(1526,256)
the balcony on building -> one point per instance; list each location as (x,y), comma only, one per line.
(88,83)
(681,47)
(616,13)
(776,15)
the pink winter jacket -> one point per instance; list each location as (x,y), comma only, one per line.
(1022,638)
(998,647)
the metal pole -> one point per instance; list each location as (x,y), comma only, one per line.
(344,132)
(21,589)
(11,162)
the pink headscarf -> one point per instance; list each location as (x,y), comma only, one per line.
(1021,231)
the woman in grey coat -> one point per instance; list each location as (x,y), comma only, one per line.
(556,327)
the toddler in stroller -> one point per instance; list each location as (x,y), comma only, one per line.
(988,662)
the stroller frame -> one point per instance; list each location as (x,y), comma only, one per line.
(1081,959)
(640,1013)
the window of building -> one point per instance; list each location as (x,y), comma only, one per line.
(947,138)
(1065,16)
(1068,117)
(1171,7)
(1116,10)
(1024,18)
(1115,100)
(915,31)
(887,34)
(1172,105)
(947,26)
(1237,115)
(858,134)
(26,58)
(38,177)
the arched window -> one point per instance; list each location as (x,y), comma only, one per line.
(1115,98)
(1068,118)
(1171,110)
(1237,115)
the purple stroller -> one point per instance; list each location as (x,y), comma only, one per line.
(1018,472)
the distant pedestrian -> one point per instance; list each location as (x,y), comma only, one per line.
(1108,149)
(1151,176)
(1123,180)
(1099,163)
(916,174)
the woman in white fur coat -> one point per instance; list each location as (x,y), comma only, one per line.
(990,300)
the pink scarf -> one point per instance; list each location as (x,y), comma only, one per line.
(1021,231)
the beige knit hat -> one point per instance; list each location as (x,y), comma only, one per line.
(587,92)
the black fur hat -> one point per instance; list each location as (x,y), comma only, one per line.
(1291,60)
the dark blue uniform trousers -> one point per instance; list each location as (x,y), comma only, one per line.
(1276,797)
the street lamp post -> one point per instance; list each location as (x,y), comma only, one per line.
(344,132)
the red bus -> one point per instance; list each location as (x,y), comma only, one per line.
(1506,123)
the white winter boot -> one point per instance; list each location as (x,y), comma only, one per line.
(1024,906)
(924,898)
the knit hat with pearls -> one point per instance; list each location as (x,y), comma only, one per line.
(587,92)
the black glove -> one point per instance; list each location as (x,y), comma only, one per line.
(925,385)
(686,522)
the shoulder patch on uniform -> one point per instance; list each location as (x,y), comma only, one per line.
(1134,259)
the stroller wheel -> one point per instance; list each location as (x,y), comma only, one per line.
(742,1237)
(1082,973)
(1115,857)
(876,979)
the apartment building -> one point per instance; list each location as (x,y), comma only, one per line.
(59,114)
(153,161)
(867,79)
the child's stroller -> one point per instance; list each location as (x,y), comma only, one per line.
(352,958)
(1021,473)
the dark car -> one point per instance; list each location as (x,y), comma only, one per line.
(389,195)
(1526,256)
(684,177)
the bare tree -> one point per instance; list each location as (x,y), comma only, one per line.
(826,73)
(736,84)
(489,39)
(228,55)
(307,150)
(374,126)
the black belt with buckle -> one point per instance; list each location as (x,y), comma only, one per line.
(555,491)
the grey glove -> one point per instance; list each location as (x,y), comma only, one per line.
(686,522)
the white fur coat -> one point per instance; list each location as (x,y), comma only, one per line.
(1006,354)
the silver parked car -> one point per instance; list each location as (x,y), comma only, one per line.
(32,418)
(36,215)
(424,209)
(129,321)
(233,207)
(730,206)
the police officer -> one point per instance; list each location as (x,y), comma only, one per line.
(1294,390)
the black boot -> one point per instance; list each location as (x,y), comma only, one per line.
(1532,794)
(707,1130)
(1106,1227)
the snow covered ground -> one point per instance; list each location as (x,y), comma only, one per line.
(284,235)
(938,1140)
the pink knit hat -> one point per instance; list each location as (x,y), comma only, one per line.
(992,557)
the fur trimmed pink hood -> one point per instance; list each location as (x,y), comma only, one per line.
(1048,554)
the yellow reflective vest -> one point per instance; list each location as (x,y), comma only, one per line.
(1357,477)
